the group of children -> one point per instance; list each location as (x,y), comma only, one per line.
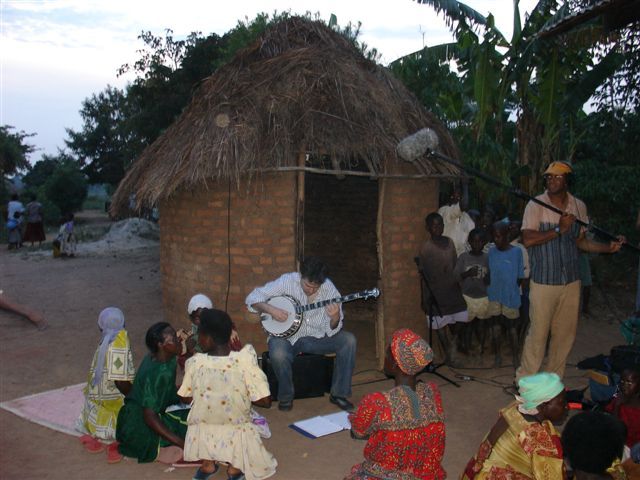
(481,290)
(142,414)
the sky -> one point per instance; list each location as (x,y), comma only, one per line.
(56,53)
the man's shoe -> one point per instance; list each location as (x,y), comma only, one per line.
(285,406)
(343,403)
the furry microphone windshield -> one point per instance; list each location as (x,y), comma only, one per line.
(417,144)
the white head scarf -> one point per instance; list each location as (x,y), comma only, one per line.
(110,321)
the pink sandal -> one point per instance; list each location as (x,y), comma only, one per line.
(113,455)
(91,445)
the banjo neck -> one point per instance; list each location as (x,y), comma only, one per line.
(323,303)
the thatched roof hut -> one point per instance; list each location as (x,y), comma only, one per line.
(288,151)
(303,87)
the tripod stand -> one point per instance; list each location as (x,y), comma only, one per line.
(433,305)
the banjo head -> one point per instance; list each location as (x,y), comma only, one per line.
(291,325)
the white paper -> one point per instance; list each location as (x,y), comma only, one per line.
(325,424)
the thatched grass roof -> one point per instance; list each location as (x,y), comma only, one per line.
(302,88)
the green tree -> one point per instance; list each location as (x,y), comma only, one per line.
(14,150)
(40,171)
(540,83)
(66,187)
(103,145)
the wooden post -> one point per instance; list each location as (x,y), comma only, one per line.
(380,247)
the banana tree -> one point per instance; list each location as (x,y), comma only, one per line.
(520,94)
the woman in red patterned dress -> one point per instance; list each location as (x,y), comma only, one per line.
(404,426)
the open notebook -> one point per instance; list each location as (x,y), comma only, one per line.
(322,425)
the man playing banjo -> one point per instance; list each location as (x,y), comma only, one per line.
(320,331)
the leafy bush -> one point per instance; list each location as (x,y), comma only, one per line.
(66,188)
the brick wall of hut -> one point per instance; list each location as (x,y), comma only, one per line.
(197,252)
(196,256)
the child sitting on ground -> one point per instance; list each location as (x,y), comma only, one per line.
(223,384)
(189,340)
(626,404)
(110,378)
(507,269)
(472,272)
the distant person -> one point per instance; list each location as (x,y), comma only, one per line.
(66,242)
(14,206)
(15,210)
(523,443)
(34,231)
(554,242)
(145,430)
(441,294)
(404,426)
(110,379)
(223,384)
(33,316)
(593,443)
(14,234)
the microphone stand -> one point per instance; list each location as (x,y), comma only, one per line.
(433,304)
(520,194)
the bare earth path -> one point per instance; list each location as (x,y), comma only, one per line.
(72,292)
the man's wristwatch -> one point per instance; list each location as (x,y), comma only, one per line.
(557,230)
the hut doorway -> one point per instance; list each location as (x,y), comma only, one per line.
(340,227)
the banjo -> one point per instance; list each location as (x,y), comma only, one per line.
(296,311)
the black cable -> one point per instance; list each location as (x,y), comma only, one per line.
(520,194)
(226,300)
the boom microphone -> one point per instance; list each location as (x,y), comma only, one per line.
(426,141)
(417,144)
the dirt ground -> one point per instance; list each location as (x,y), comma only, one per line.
(71,293)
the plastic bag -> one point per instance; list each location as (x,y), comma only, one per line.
(261,423)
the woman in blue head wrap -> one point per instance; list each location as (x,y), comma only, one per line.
(523,443)
(110,378)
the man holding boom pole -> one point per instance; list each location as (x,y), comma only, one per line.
(553,241)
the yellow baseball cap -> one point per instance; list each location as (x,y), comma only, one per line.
(558,168)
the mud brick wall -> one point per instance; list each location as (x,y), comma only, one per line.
(405,203)
(198,253)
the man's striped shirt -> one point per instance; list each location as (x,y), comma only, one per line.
(316,323)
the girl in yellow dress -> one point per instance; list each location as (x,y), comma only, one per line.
(112,371)
(223,385)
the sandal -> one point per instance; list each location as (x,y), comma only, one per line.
(113,455)
(92,445)
(237,476)
(200,475)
